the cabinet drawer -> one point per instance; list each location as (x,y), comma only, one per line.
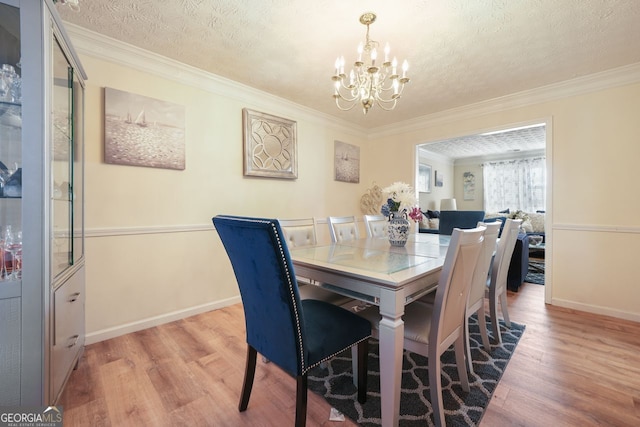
(68,328)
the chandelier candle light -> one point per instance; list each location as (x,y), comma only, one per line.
(369,82)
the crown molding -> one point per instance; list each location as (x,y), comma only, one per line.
(87,42)
(437,157)
(90,43)
(608,79)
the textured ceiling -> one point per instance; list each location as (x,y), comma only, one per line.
(460,51)
(509,141)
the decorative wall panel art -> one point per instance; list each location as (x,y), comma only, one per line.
(270,145)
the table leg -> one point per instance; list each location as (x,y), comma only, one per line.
(391,334)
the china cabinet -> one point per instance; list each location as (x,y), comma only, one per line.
(41,204)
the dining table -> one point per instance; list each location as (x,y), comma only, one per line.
(374,271)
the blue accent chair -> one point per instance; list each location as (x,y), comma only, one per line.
(459,219)
(295,334)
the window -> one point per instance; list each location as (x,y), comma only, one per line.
(515,184)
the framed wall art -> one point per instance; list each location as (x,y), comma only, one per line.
(439,179)
(270,145)
(424,178)
(346,161)
(469,186)
(143,131)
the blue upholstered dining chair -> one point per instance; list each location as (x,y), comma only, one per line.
(295,334)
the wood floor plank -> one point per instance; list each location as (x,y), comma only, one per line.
(569,368)
(137,402)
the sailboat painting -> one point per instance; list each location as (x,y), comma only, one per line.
(141,120)
(143,131)
(346,162)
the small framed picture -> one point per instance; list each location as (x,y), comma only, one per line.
(439,179)
(346,161)
(424,178)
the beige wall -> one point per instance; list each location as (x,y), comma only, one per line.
(593,151)
(432,199)
(152,254)
(477,204)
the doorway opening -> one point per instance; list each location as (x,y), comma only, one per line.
(460,163)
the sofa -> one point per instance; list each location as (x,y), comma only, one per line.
(532,225)
(447,220)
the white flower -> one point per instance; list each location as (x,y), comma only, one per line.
(402,196)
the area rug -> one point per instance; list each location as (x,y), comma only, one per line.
(335,383)
(535,273)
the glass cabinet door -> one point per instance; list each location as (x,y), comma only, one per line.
(78,170)
(62,163)
(10,145)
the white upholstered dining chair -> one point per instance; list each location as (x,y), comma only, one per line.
(302,232)
(376,225)
(430,329)
(497,290)
(343,228)
(475,301)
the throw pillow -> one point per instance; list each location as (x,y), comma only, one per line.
(537,222)
(434,223)
(521,215)
(433,214)
(526,226)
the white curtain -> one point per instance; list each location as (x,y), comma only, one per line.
(515,184)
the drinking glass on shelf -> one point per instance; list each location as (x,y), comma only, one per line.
(8,77)
(7,246)
(17,257)
(3,269)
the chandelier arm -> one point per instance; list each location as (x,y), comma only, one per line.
(344,108)
(385,108)
(340,95)
(393,97)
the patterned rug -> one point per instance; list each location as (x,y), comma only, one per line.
(334,382)
(535,274)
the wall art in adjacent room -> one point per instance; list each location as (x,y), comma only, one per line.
(469,186)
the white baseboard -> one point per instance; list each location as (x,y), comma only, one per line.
(595,309)
(127,328)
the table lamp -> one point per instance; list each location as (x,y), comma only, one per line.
(448,205)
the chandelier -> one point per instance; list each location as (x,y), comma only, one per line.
(369,82)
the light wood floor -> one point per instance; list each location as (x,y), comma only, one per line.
(569,369)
